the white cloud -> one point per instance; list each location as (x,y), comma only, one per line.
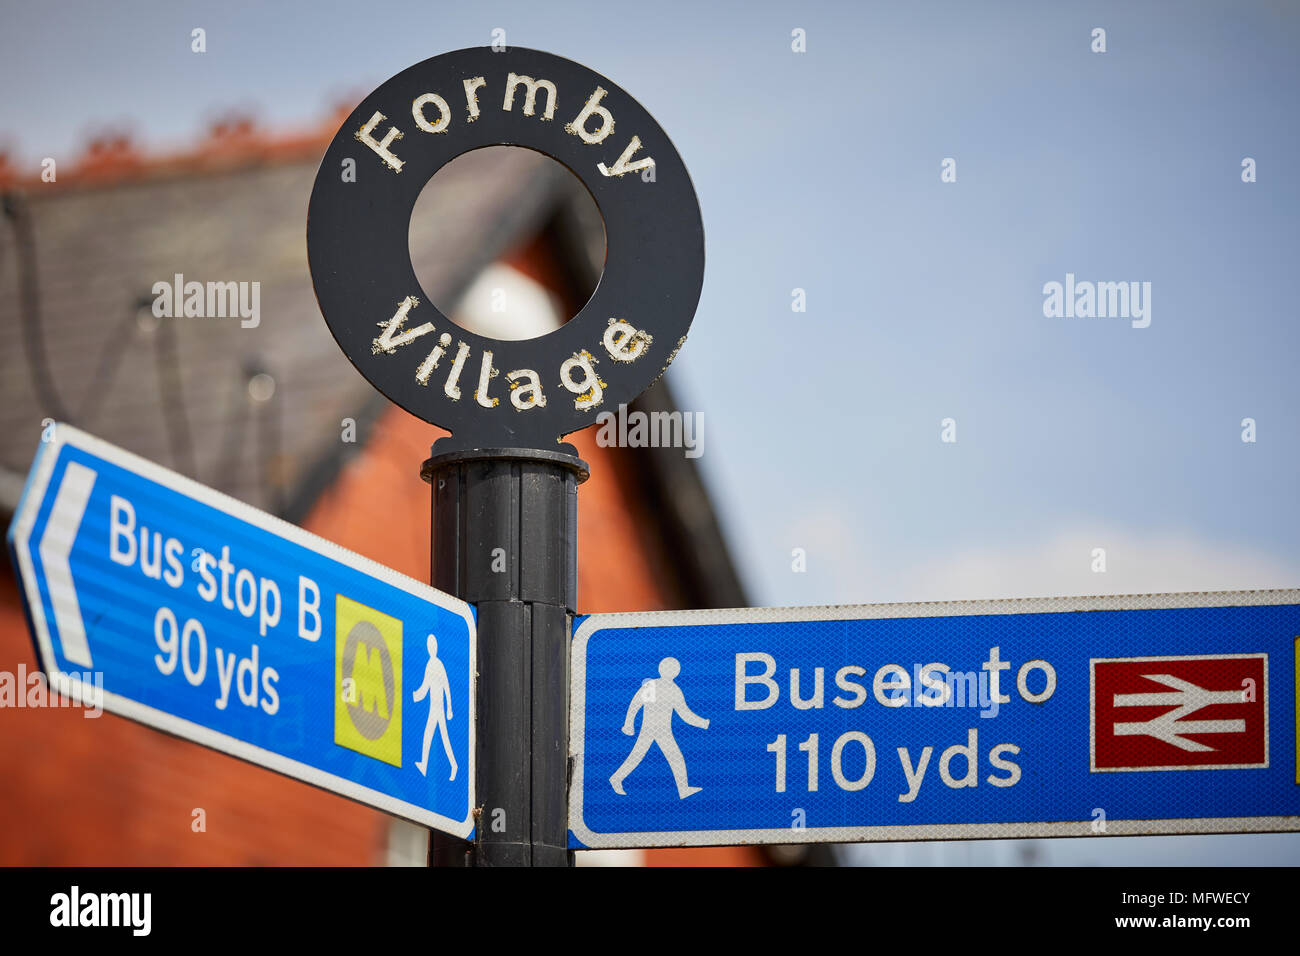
(847,564)
(1135,564)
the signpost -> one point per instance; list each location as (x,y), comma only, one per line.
(1170,713)
(178,607)
(504,484)
(174,605)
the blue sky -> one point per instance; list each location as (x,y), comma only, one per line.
(821,171)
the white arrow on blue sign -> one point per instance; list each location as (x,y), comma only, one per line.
(1171,713)
(177,606)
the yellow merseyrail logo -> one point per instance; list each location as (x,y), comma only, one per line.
(367,681)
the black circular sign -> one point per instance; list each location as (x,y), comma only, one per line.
(490,392)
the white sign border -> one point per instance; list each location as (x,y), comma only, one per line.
(595,623)
(24,520)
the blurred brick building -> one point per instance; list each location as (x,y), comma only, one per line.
(275,415)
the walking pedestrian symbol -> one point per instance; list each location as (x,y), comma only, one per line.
(658,700)
(438,689)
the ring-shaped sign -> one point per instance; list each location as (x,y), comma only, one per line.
(490,392)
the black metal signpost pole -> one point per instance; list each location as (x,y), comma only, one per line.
(505,540)
(504,485)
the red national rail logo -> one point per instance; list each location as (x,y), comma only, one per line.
(1180,713)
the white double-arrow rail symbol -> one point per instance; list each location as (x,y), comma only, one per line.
(1169,726)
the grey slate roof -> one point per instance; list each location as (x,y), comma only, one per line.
(98,251)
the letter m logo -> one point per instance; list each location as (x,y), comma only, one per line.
(367,681)
(368,673)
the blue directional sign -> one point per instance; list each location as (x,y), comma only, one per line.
(174,605)
(1057,717)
